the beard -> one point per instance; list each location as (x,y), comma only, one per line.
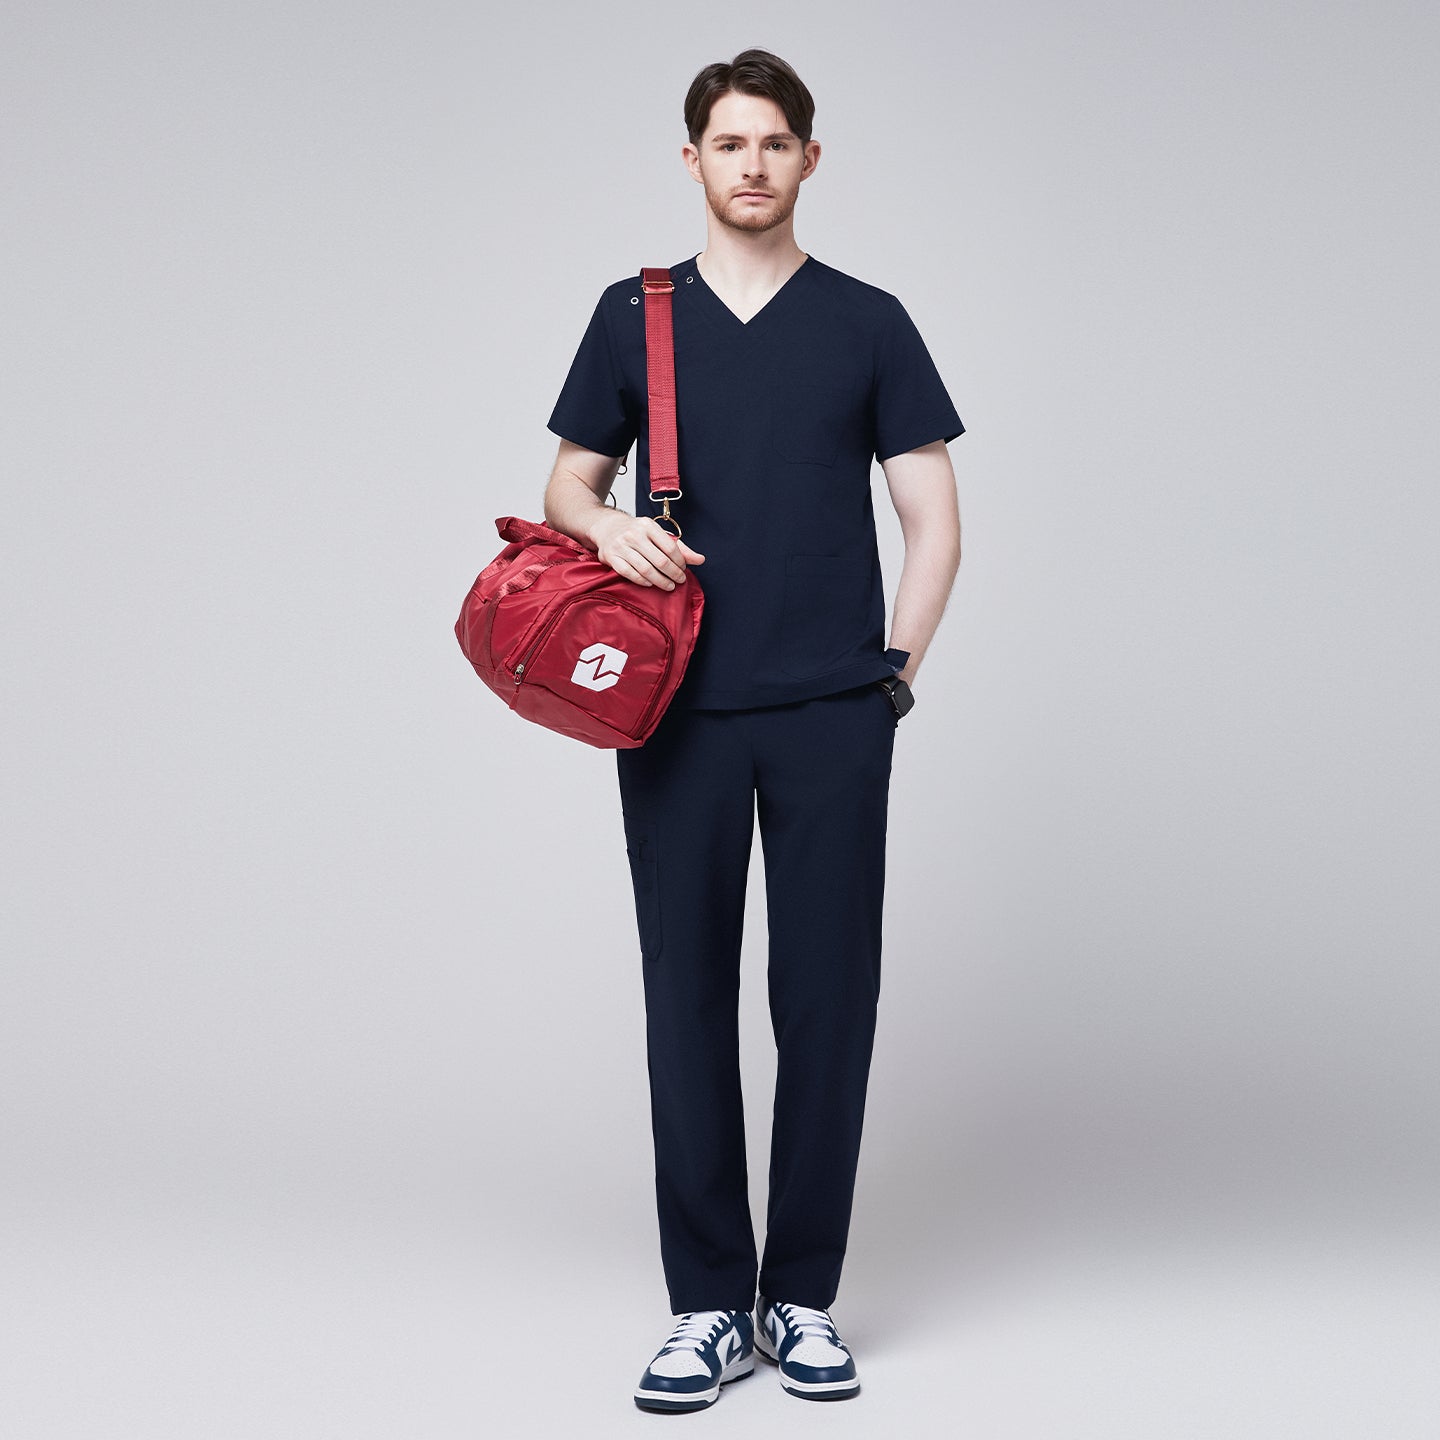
(739,214)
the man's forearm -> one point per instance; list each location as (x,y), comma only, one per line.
(926,580)
(573,508)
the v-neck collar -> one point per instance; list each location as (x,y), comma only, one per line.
(725,314)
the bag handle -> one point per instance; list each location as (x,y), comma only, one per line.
(659,289)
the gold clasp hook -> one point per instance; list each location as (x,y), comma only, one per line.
(665,509)
(666,515)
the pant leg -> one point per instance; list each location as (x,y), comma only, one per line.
(823,781)
(688,802)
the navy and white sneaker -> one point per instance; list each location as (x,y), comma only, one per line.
(814,1362)
(706,1350)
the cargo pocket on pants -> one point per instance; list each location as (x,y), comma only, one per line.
(641,846)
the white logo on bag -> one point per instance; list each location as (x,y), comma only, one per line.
(599,666)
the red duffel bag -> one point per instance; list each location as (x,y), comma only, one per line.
(562,638)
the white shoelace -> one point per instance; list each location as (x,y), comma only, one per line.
(696,1330)
(810,1322)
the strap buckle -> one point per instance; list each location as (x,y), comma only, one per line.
(656,280)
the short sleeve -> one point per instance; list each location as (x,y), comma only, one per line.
(592,409)
(912,406)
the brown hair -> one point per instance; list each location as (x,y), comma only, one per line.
(751,72)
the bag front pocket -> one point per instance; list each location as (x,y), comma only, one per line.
(599,652)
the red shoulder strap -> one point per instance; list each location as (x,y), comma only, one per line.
(655,281)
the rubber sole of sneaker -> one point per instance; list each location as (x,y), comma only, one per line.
(829,1390)
(702,1399)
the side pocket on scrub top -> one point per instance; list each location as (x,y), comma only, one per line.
(641,846)
(824,608)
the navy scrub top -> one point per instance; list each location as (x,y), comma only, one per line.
(779,420)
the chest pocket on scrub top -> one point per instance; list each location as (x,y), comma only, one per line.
(807,418)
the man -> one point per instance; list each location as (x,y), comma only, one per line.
(791,379)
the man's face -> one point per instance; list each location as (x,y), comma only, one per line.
(748,147)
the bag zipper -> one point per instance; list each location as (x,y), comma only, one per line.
(518,669)
(654,699)
(544,630)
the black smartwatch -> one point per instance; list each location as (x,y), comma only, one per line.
(901,697)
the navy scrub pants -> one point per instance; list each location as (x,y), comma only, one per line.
(817,772)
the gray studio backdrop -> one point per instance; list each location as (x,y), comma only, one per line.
(322,1033)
